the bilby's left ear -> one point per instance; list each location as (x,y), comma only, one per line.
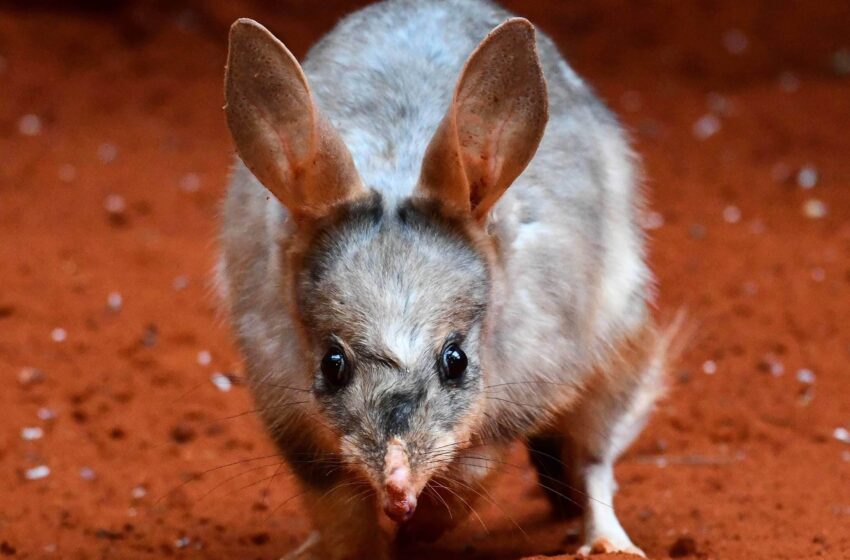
(494,124)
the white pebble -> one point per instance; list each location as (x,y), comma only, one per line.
(814,208)
(807,177)
(58,334)
(805,375)
(841,434)
(114,301)
(735,41)
(67,173)
(139,492)
(114,204)
(30,376)
(706,127)
(31,433)
(182,542)
(204,358)
(44,413)
(180,283)
(789,82)
(29,125)
(732,214)
(653,220)
(709,367)
(87,473)
(107,152)
(221,381)
(818,274)
(776,367)
(37,473)
(190,182)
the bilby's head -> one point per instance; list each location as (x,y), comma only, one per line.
(391,296)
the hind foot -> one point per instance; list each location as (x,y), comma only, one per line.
(605,545)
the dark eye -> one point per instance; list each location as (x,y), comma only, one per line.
(454,363)
(335,369)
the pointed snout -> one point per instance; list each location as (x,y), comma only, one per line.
(399,489)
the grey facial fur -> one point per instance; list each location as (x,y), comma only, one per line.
(392,287)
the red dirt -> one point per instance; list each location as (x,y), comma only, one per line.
(743,462)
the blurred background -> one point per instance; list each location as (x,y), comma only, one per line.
(125,430)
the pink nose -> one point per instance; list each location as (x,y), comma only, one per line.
(399,505)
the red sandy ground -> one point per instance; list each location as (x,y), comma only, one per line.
(744,461)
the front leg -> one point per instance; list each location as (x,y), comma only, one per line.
(341,505)
(346,525)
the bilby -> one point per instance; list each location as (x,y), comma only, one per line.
(431,249)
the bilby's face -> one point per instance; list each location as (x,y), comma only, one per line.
(393,303)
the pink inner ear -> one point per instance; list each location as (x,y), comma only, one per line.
(494,125)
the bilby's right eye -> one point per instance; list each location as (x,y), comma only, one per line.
(335,368)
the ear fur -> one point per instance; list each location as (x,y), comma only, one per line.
(494,124)
(280,133)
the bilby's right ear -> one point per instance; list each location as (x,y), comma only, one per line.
(279,132)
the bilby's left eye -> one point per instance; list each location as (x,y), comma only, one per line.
(453,363)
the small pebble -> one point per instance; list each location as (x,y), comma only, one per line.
(114,301)
(757,227)
(107,152)
(87,473)
(31,433)
(29,125)
(805,375)
(807,177)
(697,231)
(841,434)
(67,173)
(58,334)
(37,473)
(814,208)
(45,414)
(30,376)
(709,367)
(190,182)
(182,542)
(735,42)
(138,492)
(841,62)
(114,204)
(652,220)
(180,283)
(718,104)
(706,127)
(221,381)
(204,358)
(789,82)
(732,214)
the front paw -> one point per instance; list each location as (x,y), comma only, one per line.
(604,545)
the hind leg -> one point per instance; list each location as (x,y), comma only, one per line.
(609,416)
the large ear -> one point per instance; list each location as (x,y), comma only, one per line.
(279,131)
(494,124)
